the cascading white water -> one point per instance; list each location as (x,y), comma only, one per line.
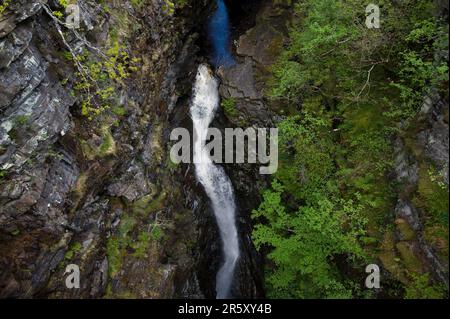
(213,178)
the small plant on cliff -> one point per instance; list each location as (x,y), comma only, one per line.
(169,7)
(4,6)
(141,245)
(117,244)
(157,233)
(3,174)
(99,75)
(229,107)
(137,3)
(98,72)
(73,249)
(65,3)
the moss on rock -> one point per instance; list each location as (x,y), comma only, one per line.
(149,204)
(409,260)
(404,229)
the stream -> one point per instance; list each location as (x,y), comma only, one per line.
(216,183)
(219,35)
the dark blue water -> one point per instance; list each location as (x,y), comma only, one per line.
(219,33)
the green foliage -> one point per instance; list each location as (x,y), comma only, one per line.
(4,5)
(229,107)
(65,3)
(67,55)
(117,244)
(345,88)
(333,53)
(108,145)
(3,174)
(141,245)
(433,196)
(305,219)
(131,239)
(114,254)
(305,151)
(119,111)
(99,77)
(58,14)
(312,58)
(19,126)
(149,204)
(418,71)
(106,148)
(169,7)
(21,119)
(305,241)
(157,233)
(137,4)
(73,249)
(422,289)
(98,73)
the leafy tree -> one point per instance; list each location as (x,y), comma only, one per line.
(306,150)
(305,241)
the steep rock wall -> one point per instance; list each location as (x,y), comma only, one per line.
(98,193)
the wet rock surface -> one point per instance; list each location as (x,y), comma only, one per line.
(122,214)
(425,146)
(256,49)
(435,139)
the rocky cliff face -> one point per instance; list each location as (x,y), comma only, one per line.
(95,187)
(421,154)
(98,193)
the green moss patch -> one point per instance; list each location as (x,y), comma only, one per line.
(229,108)
(117,244)
(389,258)
(410,261)
(404,229)
(432,196)
(106,147)
(141,245)
(149,204)
(73,249)
(422,288)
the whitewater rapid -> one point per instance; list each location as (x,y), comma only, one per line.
(216,183)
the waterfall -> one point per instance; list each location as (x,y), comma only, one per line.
(219,33)
(213,178)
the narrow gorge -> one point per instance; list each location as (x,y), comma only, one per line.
(97,188)
(86,175)
(213,178)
